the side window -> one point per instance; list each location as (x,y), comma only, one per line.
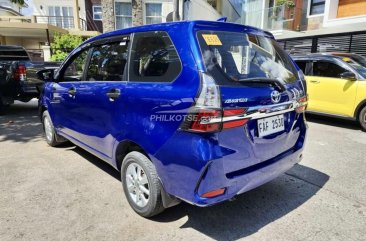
(153,58)
(75,69)
(107,62)
(302,65)
(327,69)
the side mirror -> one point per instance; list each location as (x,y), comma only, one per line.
(46,75)
(348,76)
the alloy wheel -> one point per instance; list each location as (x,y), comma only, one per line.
(137,184)
(48,129)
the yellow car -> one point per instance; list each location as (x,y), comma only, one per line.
(336,84)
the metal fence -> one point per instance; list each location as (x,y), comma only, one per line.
(345,42)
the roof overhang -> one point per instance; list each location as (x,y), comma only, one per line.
(18,29)
(21,29)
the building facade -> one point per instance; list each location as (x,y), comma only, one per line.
(304,25)
(36,32)
(94,16)
(119,14)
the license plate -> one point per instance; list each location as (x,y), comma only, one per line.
(271,125)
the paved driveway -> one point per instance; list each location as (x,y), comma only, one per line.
(67,194)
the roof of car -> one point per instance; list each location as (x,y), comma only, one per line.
(176,26)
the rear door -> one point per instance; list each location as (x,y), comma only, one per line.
(328,93)
(256,75)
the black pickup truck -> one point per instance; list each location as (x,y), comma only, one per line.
(18,75)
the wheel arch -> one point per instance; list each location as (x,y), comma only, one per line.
(359,108)
(125,147)
(41,109)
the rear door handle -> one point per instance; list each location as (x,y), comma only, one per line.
(72,92)
(315,81)
(113,94)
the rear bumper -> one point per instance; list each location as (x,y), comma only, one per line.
(246,179)
(190,165)
(29,89)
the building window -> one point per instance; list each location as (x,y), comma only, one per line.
(123,15)
(61,16)
(153,13)
(317,7)
(97,12)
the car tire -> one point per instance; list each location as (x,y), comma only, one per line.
(141,185)
(3,107)
(362,118)
(52,138)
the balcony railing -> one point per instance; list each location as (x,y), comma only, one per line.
(59,21)
(277,18)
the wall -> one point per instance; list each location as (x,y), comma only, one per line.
(193,11)
(91,24)
(331,18)
(349,8)
(167,7)
(62,3)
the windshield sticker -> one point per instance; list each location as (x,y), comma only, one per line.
(346,59)
(212,39)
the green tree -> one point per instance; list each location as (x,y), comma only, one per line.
(21,3)
(63,44)
(287,3)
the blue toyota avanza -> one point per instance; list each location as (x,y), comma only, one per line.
(196,111)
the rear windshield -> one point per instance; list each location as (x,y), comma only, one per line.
(234,57)
(13,54)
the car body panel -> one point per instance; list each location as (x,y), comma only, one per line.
(188,164)
(334,96)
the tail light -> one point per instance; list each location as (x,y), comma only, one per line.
(302,104)
(207,115)
(234,123)
(201,121)
(20,73)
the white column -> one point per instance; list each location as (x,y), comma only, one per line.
(76,14)
(46,52)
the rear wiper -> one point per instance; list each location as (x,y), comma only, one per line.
(273,82)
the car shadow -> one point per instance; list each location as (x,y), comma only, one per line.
(333,121)
(21,123)
(252,210)
(95,161)
(249,212)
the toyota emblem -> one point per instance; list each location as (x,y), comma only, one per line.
(275,96)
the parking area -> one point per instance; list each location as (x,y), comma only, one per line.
(65,193)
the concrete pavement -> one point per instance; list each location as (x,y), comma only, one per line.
(67,194)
